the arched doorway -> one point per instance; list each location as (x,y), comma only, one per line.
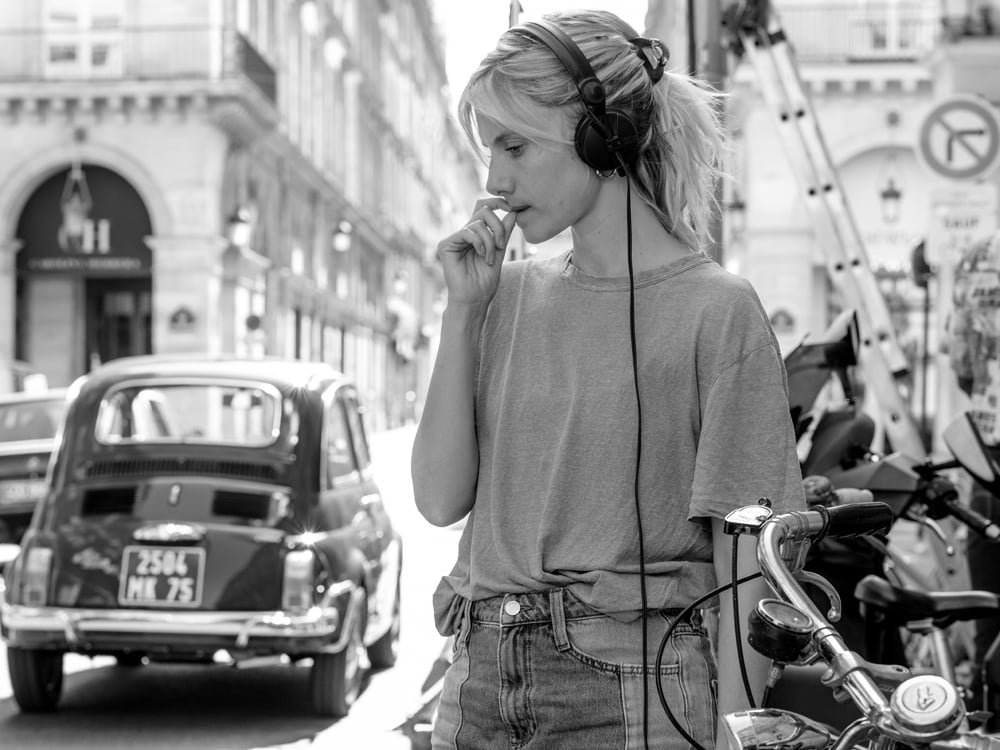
(84,272)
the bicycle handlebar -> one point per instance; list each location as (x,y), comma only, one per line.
(924,709)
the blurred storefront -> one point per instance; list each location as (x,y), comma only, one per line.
(259,177)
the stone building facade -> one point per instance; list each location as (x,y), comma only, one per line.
(259,177)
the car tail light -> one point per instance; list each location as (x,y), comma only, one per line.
(277,507)
(297,588)
(37,566)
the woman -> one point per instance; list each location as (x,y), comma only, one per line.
(595,415)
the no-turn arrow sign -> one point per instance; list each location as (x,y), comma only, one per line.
(959,138)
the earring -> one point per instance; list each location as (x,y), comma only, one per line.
(606,174)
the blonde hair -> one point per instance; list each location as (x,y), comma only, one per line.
(681,144)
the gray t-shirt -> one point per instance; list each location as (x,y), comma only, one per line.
(556,422)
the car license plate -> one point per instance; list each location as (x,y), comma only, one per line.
(162,576)
(22,491)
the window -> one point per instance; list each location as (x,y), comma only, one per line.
(337,452)
(359,437)
(30,420)
(190,412)
(83,38)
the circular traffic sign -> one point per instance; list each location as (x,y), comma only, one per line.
(959,138)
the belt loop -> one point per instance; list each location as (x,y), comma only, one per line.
(695,618)
(558,620)
(466,627)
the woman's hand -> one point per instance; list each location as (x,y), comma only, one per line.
(472,256)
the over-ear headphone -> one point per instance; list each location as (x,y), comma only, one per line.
(605,138)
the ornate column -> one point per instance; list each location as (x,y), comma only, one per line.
(8,295)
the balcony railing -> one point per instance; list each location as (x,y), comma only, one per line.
(854,32)
(191,53)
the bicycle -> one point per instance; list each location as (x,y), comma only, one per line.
(896,707)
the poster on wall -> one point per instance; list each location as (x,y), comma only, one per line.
(84,220)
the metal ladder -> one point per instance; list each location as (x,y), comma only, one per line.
(754,32)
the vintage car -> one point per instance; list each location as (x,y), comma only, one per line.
(208,510)
(29,423)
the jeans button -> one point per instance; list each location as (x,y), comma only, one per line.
(512,607)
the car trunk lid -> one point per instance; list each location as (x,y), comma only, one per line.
(184,543)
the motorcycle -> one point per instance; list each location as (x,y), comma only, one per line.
(835,441)
(896,600)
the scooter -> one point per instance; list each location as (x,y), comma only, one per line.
(835,439)
(885,604)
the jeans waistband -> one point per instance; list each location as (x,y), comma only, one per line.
(541,606)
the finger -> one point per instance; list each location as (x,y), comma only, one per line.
(458,243)
(492,203)
(497,229)
(509,221)
(479,236)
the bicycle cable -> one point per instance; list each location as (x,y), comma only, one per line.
(663,644)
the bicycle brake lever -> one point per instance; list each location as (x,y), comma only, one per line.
(935,529)
(836,606)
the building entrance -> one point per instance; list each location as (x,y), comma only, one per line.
(119,318)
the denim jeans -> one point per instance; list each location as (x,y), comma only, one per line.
(543,671)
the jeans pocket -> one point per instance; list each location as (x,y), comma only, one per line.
(686,675)
(608,644)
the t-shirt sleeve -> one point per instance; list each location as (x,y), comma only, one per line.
(746,447)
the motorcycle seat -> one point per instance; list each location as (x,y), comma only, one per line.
(898,606)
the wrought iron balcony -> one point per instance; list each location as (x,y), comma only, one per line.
(194,54)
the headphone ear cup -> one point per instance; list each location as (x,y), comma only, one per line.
(594,138)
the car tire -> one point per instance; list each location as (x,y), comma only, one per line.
(383,653)
(36,677)
(335,679)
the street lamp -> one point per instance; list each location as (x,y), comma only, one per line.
(342,236)
(239,227)
(737,210)
(890,196)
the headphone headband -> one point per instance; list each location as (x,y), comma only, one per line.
(606,140)
(576,63)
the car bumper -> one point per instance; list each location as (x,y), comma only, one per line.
(320,629)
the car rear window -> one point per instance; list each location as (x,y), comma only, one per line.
(186,412)
(31,420)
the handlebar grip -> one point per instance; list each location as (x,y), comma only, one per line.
(974,520)
(856,519)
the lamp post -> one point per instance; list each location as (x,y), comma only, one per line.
(341,239)
(736,217)
(239,227)
(890,197)
(922,273)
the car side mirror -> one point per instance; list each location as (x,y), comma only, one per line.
(966,443)
(7,553)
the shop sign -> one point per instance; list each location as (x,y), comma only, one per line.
(182,320)
(85,220)
(960,214)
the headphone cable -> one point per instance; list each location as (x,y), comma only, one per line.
(638,449)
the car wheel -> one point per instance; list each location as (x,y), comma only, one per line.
(384,652)
(335,679)
(36,677)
